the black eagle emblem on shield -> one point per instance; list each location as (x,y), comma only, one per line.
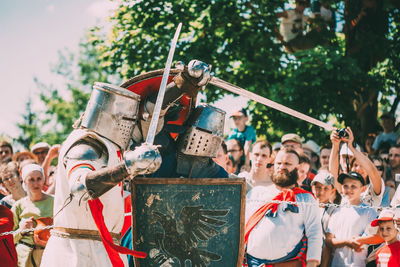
(179,238)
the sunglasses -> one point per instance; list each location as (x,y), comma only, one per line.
(270,165)
(43,152)
(380,168)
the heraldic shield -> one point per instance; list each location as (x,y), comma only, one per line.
(188,222)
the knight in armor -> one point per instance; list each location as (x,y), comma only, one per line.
(94,160)
(190,156)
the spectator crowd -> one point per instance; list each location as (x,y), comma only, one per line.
(27,189)
(345,195)
(332,204)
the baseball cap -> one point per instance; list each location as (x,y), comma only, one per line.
(385,215)
(241,112)
(324,178)
(351,175)
(312,146)
(40,145)
(276,146)
(387,116)
(291,137)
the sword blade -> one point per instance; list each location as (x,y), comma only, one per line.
(157,109)
(243,92)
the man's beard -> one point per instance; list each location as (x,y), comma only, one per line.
(285,179)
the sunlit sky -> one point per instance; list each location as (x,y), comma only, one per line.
(33,32)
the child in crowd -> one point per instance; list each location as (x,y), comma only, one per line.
(244,133)
(323,188)
(388,255)
(347,223)
(303,170)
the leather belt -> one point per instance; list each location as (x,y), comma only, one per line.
(81,234)
(30,245)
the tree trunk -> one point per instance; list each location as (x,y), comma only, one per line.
(365,28)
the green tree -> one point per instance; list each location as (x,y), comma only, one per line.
(340,80)
(347,80)
(29,127)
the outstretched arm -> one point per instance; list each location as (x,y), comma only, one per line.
(365,163)
(334,158)
(145,159)
(53,153)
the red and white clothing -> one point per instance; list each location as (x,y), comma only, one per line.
(67,252)
(265,240)
(388,255)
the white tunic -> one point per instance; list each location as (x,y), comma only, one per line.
(66,252)
(274,238)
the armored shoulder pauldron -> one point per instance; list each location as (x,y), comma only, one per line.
(88,149)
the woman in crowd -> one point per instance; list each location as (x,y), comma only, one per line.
(24,155)
(368,141)
(389,185)
(26,210)
(11,181)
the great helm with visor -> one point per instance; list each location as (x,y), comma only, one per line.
(204,133)
(112,113)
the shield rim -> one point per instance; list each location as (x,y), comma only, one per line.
(194,181)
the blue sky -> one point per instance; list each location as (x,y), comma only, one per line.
(33,32)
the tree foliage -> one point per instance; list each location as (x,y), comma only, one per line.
(347,80)
(238,39)
(29,127)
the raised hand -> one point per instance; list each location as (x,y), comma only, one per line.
(199,70)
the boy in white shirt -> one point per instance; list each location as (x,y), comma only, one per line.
(348,223)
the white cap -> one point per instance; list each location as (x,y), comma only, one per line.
(27,169)
(312,146)
(344,150)
(40,145)
(325,178)
(277,146)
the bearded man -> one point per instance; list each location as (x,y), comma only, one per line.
(282,234)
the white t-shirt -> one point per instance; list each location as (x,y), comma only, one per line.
(293,25)
(370,198)
(348,222)
(396,198)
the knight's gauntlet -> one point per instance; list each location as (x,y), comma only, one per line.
(194,76)
(143,160)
